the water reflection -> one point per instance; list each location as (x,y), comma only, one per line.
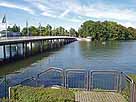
(119,55)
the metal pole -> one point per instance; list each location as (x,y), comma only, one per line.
(27,29)
(6,30)
(40,28)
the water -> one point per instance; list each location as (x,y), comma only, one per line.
(114,55)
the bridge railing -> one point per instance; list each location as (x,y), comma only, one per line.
(97,80)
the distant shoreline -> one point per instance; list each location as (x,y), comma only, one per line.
(84,39)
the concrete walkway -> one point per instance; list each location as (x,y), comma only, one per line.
(87,96)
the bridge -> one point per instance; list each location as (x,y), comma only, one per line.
(25,46)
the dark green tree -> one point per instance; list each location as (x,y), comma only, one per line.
(73,32)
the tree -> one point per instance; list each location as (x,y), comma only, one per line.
(24,31)
(106,30)
(73,32)
(15,28)
(49,30)
(33,31)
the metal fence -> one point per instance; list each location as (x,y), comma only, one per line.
(97,80)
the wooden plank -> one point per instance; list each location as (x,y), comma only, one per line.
(87,96)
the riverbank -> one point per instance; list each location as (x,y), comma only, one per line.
(84,39)
(31,94)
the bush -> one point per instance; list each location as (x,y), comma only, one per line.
(31,94)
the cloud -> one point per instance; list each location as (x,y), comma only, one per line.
(43,9)
(48,14)
(103,11)
(16,6)
(65,13)
(37,4)
(75,11)
(128,24)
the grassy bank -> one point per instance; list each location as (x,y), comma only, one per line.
(30,94)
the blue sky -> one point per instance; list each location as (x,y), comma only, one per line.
(67,13)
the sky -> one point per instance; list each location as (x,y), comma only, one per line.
(67,13)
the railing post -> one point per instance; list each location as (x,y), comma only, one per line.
(131,92)
(9,91)
(120,83)
(66,86)
(117,80)
(90,80)
(134,92)
(64,78)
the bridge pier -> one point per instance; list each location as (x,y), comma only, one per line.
(17,50)
(31,48)
(4,52)
(10,51)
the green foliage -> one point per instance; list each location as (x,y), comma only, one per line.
(106,30)
(133,76)
(126,90)
(33,31)
(45,31)
(24,31)
(15,28)
(73,32)
(30,94)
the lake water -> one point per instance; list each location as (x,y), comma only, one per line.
(117,55)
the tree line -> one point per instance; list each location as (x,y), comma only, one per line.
(106,30)
(44,31)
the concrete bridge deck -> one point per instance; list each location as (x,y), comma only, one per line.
(10,40)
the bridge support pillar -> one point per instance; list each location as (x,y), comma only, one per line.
(10,51)
(23,49)
(4,52)
(26,53)
(31,48)
(17,50)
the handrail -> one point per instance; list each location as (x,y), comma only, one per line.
(49,69)
(88,81)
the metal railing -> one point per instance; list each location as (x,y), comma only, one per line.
(97,80)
